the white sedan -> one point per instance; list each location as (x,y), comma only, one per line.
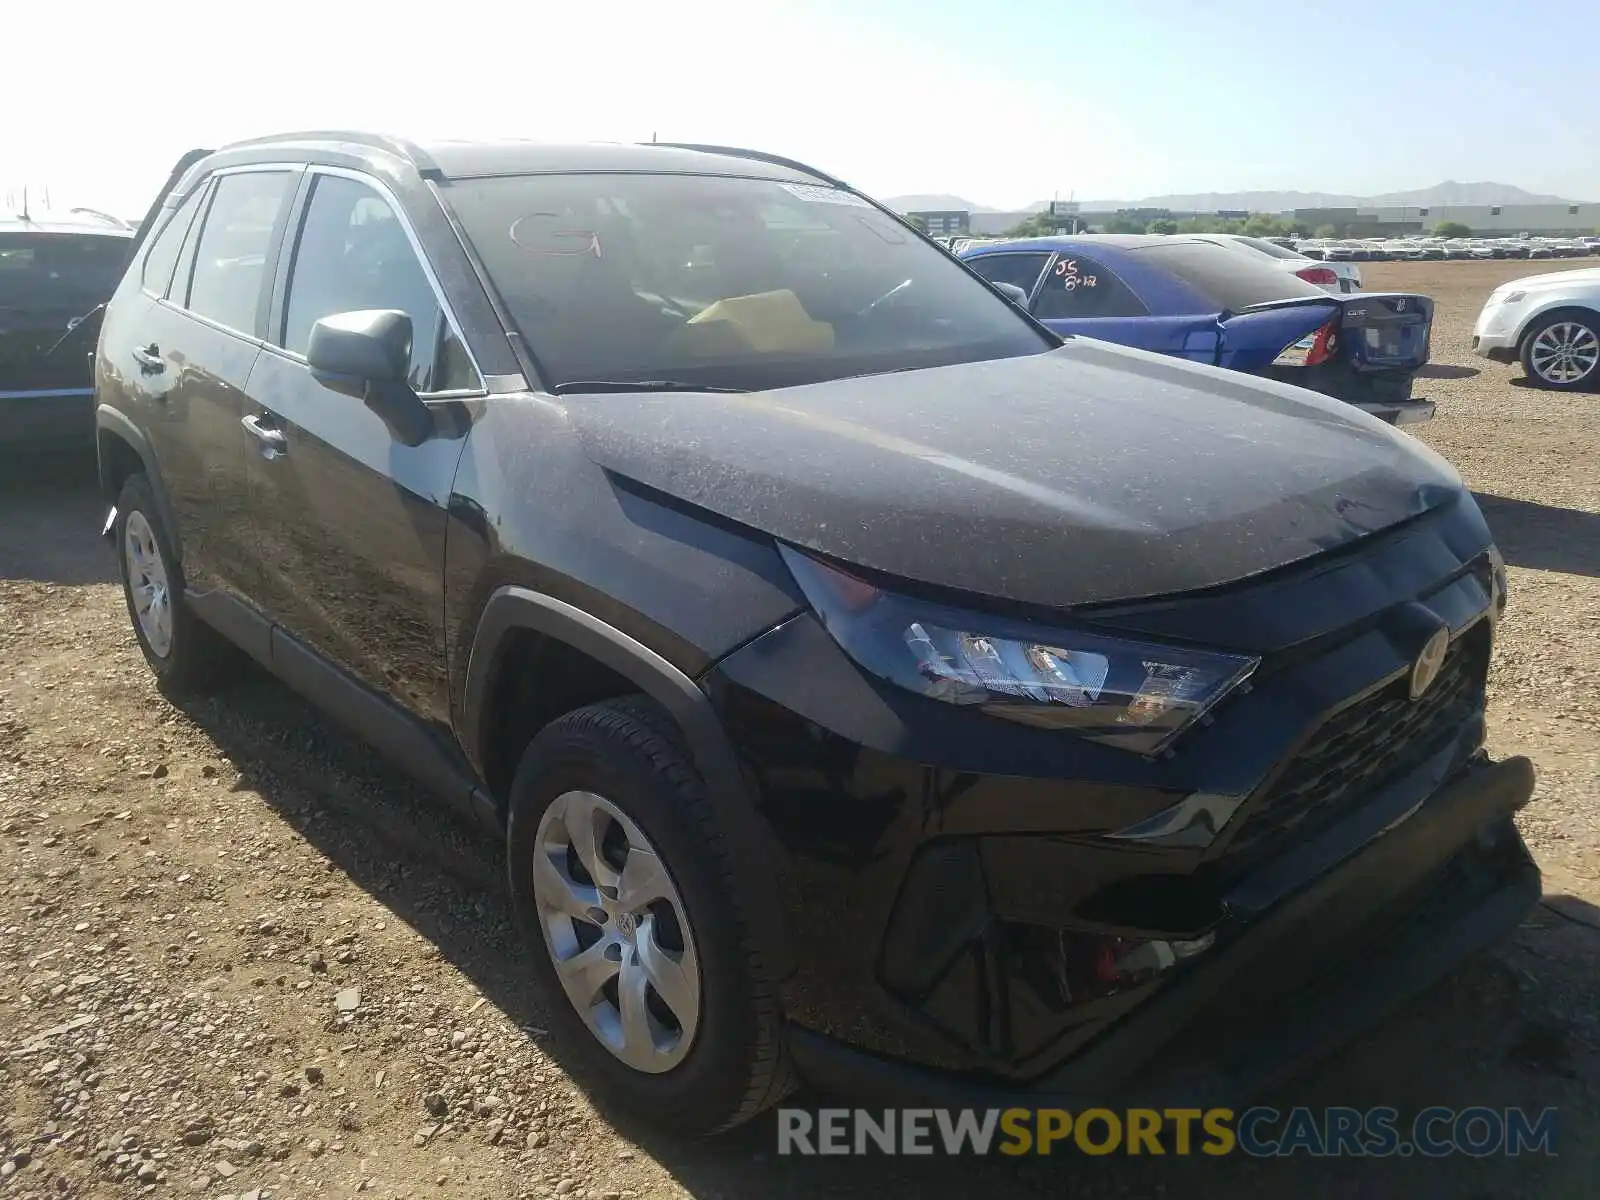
(1329,276)
(1551,322)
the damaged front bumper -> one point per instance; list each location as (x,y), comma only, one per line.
(1302,977)
(1407,412)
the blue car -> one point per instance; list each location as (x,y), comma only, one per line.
(1194,299)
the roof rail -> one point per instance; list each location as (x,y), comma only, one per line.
(409,151)
(104,216)
(776,160)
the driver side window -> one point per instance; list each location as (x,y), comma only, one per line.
(353,253)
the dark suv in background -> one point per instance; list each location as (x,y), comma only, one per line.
(56,273)
(871,686)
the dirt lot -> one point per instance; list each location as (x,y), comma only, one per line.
(239,957)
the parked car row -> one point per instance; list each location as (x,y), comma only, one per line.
(1550,323)
(1227,302)
(1438,249)
(870,684)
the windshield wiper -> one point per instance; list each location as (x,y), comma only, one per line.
(639,385)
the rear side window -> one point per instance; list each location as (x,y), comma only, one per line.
(353,253)
(162,256)
(1226,278)
(1020,270)
(67,272)
(1082,287)
(230,262)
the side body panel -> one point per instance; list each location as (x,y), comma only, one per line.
(185,392)
(348,530)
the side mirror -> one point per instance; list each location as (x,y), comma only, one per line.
(1013,293)
(366,354)
(368,345)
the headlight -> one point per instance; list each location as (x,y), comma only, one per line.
(1132,694)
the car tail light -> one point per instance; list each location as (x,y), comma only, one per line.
(1318,275)
(1310,350)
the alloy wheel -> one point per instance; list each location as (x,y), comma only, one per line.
(617,931)
(148,583)
(1565,352)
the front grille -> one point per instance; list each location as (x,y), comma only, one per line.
(1359,750)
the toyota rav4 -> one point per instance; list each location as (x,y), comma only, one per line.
(871,686)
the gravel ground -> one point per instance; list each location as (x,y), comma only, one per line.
(241,958)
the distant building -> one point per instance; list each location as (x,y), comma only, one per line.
(945,222)
(1554,220)
(991,224)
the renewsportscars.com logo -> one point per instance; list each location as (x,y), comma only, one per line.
(1257,1132)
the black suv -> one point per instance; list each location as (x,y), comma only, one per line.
(56,273)
(871,686)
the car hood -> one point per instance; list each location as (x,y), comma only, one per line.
(1086,474)
(1587,276)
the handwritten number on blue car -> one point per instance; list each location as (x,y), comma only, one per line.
(1067,271)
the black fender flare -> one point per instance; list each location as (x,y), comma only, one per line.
(108,420)
(510,608)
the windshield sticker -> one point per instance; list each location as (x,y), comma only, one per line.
(816,194)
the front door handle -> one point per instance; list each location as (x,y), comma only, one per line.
(273,443)
(149,359)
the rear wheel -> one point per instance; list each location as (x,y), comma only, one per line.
(1562,350)
(185,653)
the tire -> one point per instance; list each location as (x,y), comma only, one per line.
(1561,350)
(618,767)
(187,656)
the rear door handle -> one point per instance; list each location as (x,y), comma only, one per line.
(273,443)
(149,359)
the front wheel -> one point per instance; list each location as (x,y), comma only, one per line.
(622,885)
(1562,350)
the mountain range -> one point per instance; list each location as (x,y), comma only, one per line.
(1441,194)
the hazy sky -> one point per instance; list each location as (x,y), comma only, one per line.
(1003,102)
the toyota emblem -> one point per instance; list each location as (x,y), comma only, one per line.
(1426,669)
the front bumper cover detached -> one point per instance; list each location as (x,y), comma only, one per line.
(1450,879)
(1407,412)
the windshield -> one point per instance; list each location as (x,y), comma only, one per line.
(1229,280)
(727,282)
